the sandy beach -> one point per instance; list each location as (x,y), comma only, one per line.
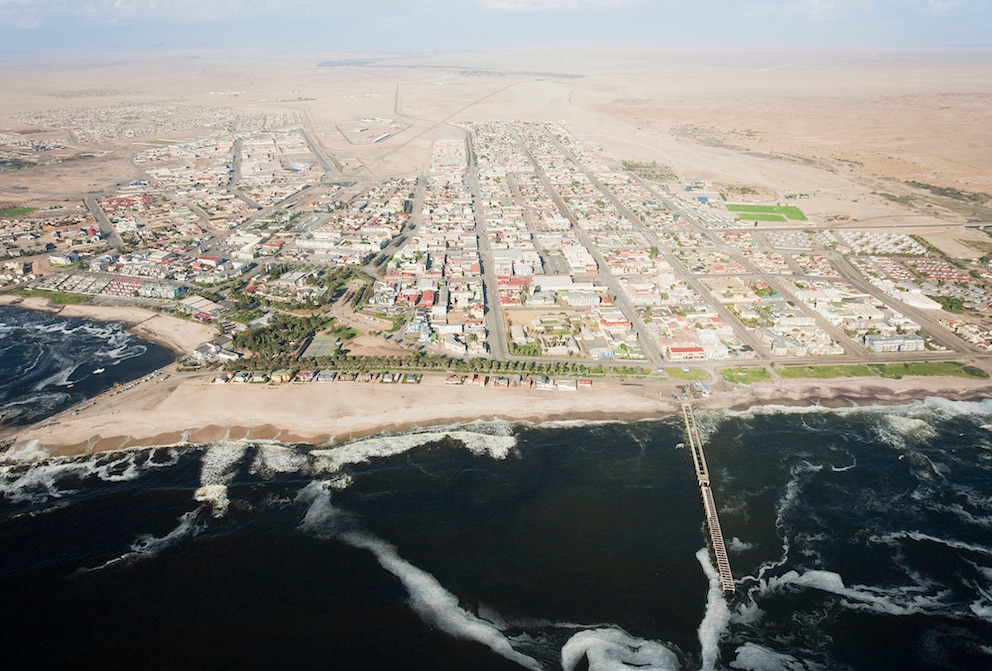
(188,407)
(179,335)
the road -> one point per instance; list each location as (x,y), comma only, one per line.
(498,347)
(110,233)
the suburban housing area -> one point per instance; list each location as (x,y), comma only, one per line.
(520,247)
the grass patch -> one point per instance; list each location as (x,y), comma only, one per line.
(746,375)
(929,369)
(690,374)
(16,211)
(54,297)
(164,143)
(825,372)
(761,216)
(889,370)
(788,211)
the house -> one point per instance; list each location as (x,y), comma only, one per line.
(281,375)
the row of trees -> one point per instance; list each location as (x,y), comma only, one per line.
(421,361)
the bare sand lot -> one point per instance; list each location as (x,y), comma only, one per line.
(841,127)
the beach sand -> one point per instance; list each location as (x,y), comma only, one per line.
(189,408)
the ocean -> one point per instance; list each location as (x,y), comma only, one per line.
(48,362)
(859,539)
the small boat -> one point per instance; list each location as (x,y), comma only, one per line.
(98,371)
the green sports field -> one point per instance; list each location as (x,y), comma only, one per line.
(748,211)
(16,211)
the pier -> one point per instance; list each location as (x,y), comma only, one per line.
(709,505)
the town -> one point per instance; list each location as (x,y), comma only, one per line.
(521,249)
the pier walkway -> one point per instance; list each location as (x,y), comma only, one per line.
(709,505)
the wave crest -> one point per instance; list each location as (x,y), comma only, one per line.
(612,649)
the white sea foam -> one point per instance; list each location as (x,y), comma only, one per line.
(148,546)
(332,459)
(771,409)
(786,503)
(894,601)
(920,536)
(272,459)
(611,649)
(437,606)
(39,481)
(218,461)
(982,606)
(947,407)
(708,424)
(717,615)
(172,453)
(754,657)
(64,370)
(967,516)
(577,423)
(34,405)
(216,496)
(321,519)
(901,432)
(118,466)
(737,545)
(26,452)
(216,472)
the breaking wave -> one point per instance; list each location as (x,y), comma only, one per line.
(148,546)
(37,482)
(717,616)
(428,598)
(612,649)
(333,459)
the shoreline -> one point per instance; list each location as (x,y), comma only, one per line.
(180,336)
(189,409)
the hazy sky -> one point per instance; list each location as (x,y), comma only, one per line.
(32,27)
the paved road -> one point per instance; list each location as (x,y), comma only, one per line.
(110,233)
(498,347)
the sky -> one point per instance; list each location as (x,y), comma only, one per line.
(374,27)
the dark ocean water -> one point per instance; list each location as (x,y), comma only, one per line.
(860,539)
(48,363)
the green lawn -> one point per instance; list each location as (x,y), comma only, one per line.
(690,374)
(165,143)
(760,216)
(747,211)
(746,375)
(890,370)
(54,297)
(824,372)
(16,211)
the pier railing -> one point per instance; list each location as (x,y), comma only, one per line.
(709,505)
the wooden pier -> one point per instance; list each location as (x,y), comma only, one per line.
(709,505)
